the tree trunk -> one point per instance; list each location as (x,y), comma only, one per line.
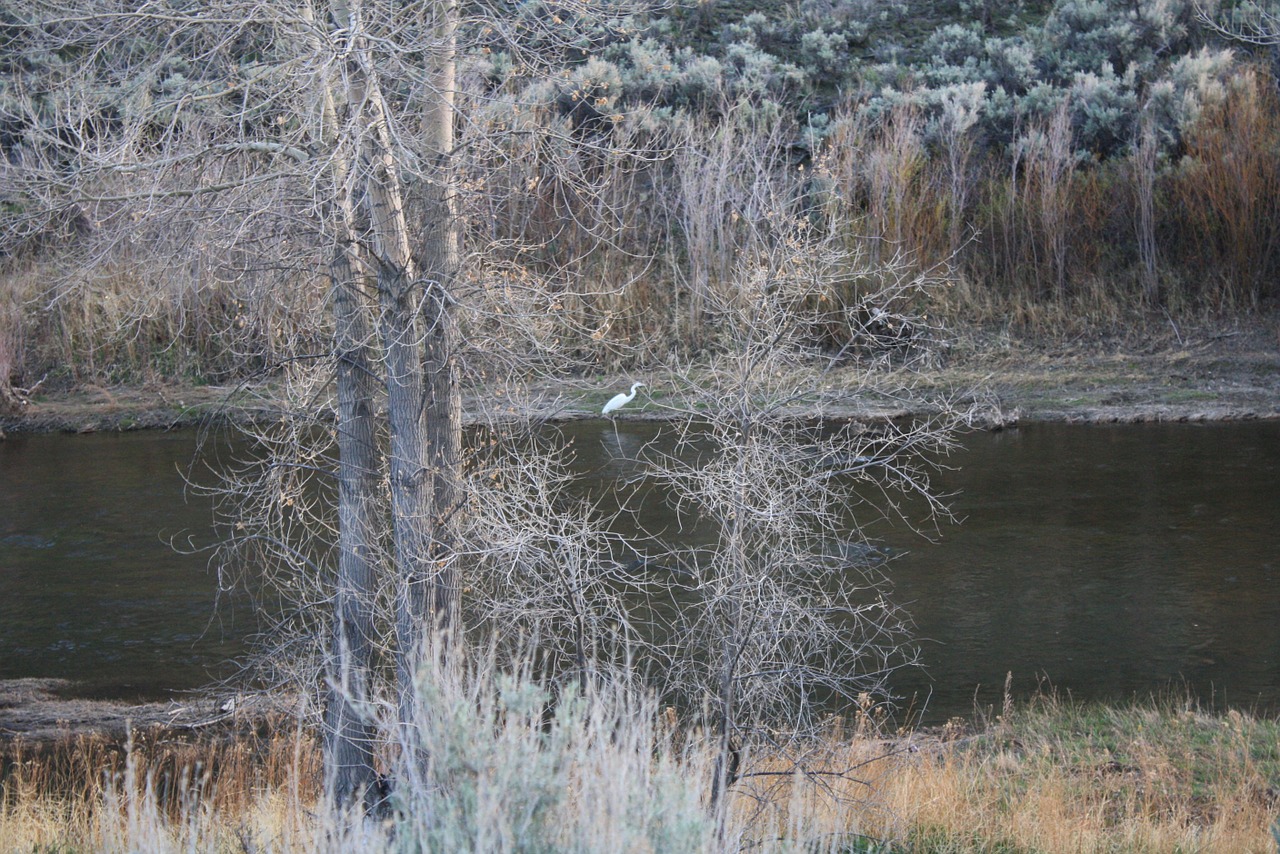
(349,733)
(418,339)
(411,495)
(398,327)
(438,259)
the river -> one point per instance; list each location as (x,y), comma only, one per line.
(1105,562)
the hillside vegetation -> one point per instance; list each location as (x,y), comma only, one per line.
(1051,167)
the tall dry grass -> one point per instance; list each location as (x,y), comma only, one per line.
(148,322)
(614,773)
(12,346)
(1226,195)
(155,788)
(596,257)
(1059,777)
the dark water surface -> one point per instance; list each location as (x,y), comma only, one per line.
(1115,561)
(92,588)
(1111,561)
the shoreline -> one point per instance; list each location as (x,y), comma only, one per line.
(1231,376)
(38,712)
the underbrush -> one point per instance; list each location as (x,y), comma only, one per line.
(1056,776)
(1034,237)
(514,771)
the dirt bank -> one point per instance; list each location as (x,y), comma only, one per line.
(1218,375)
(1217,372)
(44,711)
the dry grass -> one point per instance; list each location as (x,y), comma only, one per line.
(1058,777)
(1049,777)
(1028,237)
(95,793)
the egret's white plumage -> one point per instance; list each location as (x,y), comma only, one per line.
(620,400)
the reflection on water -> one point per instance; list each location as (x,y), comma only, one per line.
(1112,561)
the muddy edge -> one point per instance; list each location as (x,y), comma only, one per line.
(1216,376)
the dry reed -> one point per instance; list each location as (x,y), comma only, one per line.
(1046,776)
(1038,237)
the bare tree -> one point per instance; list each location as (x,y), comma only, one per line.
(781,613)
(792,616)
(1250,23)
(313,145)
(274,122)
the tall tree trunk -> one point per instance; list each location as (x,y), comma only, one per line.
(416,327)
(349,732)
(438,259)
(400,324)
(411,495)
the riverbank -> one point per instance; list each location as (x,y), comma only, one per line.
(1043,776)
(46,712)
(1215,372)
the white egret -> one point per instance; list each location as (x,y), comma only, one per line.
(620,400)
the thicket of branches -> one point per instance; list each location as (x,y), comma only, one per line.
(325,195)
(990,158)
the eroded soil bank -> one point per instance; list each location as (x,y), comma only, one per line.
(1219,372)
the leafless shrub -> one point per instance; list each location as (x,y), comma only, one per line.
(783,615)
